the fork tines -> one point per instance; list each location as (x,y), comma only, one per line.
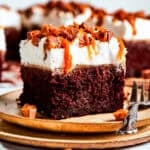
(130,121)
(134,92)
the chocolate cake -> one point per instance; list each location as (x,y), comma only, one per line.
(72,71)
(133,28)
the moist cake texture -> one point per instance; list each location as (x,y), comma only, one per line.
(74,70)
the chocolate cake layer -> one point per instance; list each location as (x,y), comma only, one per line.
(138,57)
(85,90)
(13,37)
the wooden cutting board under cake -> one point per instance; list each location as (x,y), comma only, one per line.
(78,132)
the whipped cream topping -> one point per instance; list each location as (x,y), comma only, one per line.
(124,29)
(2,39)
(102,53)
(10,18)
(55,17)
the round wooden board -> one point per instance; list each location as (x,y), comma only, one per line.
(10,112)
(17,134)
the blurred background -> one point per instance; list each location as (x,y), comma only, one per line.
(110,5)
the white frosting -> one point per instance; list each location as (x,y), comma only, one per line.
(2,40)
(124,29)
(55,17)
(10,18)
(106,54)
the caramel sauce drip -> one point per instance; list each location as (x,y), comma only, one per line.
(96,52)
(90,51)
(121,49)
(99,13)
(130,17)
(67,56)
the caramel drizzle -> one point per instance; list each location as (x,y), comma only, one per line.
(96,52)
(121,49)
(92,49)
(130,17)
(67,56)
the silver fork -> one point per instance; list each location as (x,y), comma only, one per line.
(129,123)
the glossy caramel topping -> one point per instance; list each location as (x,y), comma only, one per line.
(99,13)
(67,56)
(130,17)
(121,49)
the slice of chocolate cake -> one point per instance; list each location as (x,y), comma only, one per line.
(72,71)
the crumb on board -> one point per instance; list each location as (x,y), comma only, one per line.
(29,110)
(120,114)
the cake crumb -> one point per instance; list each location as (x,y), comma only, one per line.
(29,110)
(120,114)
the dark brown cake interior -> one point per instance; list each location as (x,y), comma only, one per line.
(138,57)
(85,90)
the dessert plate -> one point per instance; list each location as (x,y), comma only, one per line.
(17,134)
(10,112)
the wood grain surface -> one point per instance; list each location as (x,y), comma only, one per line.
(17,134)
(106,122)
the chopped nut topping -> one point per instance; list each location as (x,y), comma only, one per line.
(34,36)
(69,33)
